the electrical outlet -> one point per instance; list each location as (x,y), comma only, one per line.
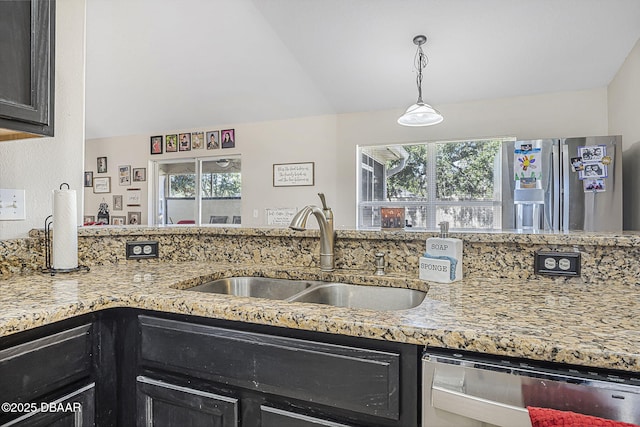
(557,263)
(12,205)
(137,250)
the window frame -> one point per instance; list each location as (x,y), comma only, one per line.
(430,204)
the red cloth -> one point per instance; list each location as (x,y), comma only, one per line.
(542,417)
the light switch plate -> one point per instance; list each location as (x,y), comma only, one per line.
(557,263)
(12,205)
(138,250)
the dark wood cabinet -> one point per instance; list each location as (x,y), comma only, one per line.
(273,417)
(47,379)
(27,46)
(160,404)
(308,379)
(133,367)
(75,409)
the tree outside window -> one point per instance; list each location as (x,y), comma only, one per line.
(454,181)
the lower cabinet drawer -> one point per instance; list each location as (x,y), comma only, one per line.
(272,417)
(356,379)
(76,409)
(161,403)
(43,365)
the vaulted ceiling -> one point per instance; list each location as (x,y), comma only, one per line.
(162,65)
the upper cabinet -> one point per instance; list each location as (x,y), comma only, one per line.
(27,42)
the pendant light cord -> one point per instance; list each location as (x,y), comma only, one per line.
(421,61)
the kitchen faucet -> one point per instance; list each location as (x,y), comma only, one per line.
(324,217)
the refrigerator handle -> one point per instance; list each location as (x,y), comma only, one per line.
(555,202)
(563,187)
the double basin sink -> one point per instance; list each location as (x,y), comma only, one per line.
(318,292)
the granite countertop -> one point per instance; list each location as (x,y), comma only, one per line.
(558,321)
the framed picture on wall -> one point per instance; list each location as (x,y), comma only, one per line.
(102,165)
(124,174)
(228,138)
(184,141)
(293,174)
(133,218)
(139,174)
(172,143)
(133,197)
(197,140)
(156,144)
(213,140)
(88,179)
(88,219)
(118,220)
(117,202)
(102,184)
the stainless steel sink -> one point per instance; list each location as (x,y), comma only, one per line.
(259,287)
(358,296)
(317,292)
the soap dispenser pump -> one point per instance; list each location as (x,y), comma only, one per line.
(442,261)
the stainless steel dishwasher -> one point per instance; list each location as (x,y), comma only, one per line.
(461,390)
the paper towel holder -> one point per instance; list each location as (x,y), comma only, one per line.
(48,222)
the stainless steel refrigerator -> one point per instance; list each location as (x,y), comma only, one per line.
(563,184)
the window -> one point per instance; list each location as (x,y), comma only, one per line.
(455,181)
(215,200)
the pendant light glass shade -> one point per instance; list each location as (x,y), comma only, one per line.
(420,114)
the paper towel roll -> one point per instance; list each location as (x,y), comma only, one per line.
(65,229)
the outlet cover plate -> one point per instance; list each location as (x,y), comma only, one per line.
(146,249)
(557,263)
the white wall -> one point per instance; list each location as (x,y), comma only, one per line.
(624,119)
(550,115)
(40,165)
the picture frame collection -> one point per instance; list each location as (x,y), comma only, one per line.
(189,141)
(591,165)
(126,175)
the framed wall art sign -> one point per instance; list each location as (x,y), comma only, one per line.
(102,184)
(133,197)
(293,174)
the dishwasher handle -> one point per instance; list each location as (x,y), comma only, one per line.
(480,409)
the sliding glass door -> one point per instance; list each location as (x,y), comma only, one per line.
(197,191)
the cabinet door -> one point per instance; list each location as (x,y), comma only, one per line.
(39,367)
(164,404)
(26,70)
(76,409)
(352,378)
(272,417)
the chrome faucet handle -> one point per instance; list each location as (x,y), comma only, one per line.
(324,202)
(379,264)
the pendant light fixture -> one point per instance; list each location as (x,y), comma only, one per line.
(420,114)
